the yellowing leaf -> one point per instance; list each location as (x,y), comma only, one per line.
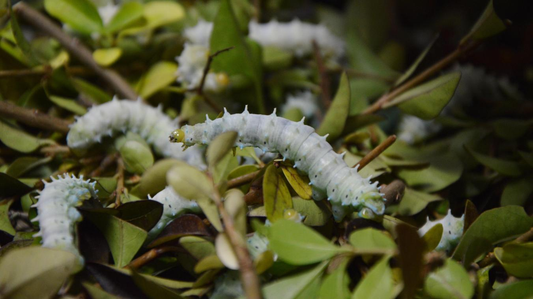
(159,76)
(276,195)
(298,182)
(106,57)
(159,13)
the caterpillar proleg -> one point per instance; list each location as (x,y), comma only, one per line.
(57,214)
(329,175)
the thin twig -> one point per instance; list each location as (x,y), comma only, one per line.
(106,162)
(55,149)
(242,180)
(323,74)
(490,258)
(120,181)
(151,255)
(446,61)
(200,88)
(249,279)
(376,152)
(74,47)
(33,118)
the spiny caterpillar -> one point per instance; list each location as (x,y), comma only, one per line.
(451,233)
(328,173)
(120,116)
(57,214)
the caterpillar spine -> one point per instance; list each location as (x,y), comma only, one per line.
(329,175)
(57,214)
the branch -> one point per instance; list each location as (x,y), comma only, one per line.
(33,118)
(323,74)
(249,279)
(491,258)
(446,61)
(376,152)
(74,47)
(242,180)
(200,88)
(151,255)
(120,181)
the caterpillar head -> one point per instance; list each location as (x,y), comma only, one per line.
(374,202)
(177,136)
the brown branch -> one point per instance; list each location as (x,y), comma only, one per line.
(490,258)
(23,73)
(200,88)
(55,149)
(76,48)
(120,181)
(446,61)
(106,162)
(376,152)
(242,180)
(33,118)
(323,74)
(249,279)
(151,255)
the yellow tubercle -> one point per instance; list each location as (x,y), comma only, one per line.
(177,136)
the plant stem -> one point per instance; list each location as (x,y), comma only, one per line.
(491,258)
(242,180)
(249,279)
(120,181)
(446,61)
(33,118)
(376,152)
(151,255)
(323,75)
(76,48)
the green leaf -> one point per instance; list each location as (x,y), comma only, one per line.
(137,157)
(276,195)
(427,100)
(159,76)
(377,283)
(106,57)
(81,15)
(208,263)
(363,90)
(68,104)
(91,91)
(414,201)
(5,223)
(517,192)
(516,290)
(433,236)
(220,146)
(275,58)
(495,226)
(189,182)
(224,167)
(297,244)
(335,285)
(449,281)
(517,259)
(10,186)
(527,157)
(25,164)
(486,26)
(414,68)
(22,43)
(369,240)
(198,247)
(160,13)
(35,272)
(443,171)
(298,182)
(125,16)
(153,179)
(337,114)
(143,213)
(510,129)
(237,209)
(504,167)
(371,21)
(152,289)
(315,213)
(241,59)
(225,252)
(292,286)
(19,140)
(124,239)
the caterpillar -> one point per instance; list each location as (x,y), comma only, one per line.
(57,214)
(117,116)
(329,175)
(173,206)
(295,37)
(451,234)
